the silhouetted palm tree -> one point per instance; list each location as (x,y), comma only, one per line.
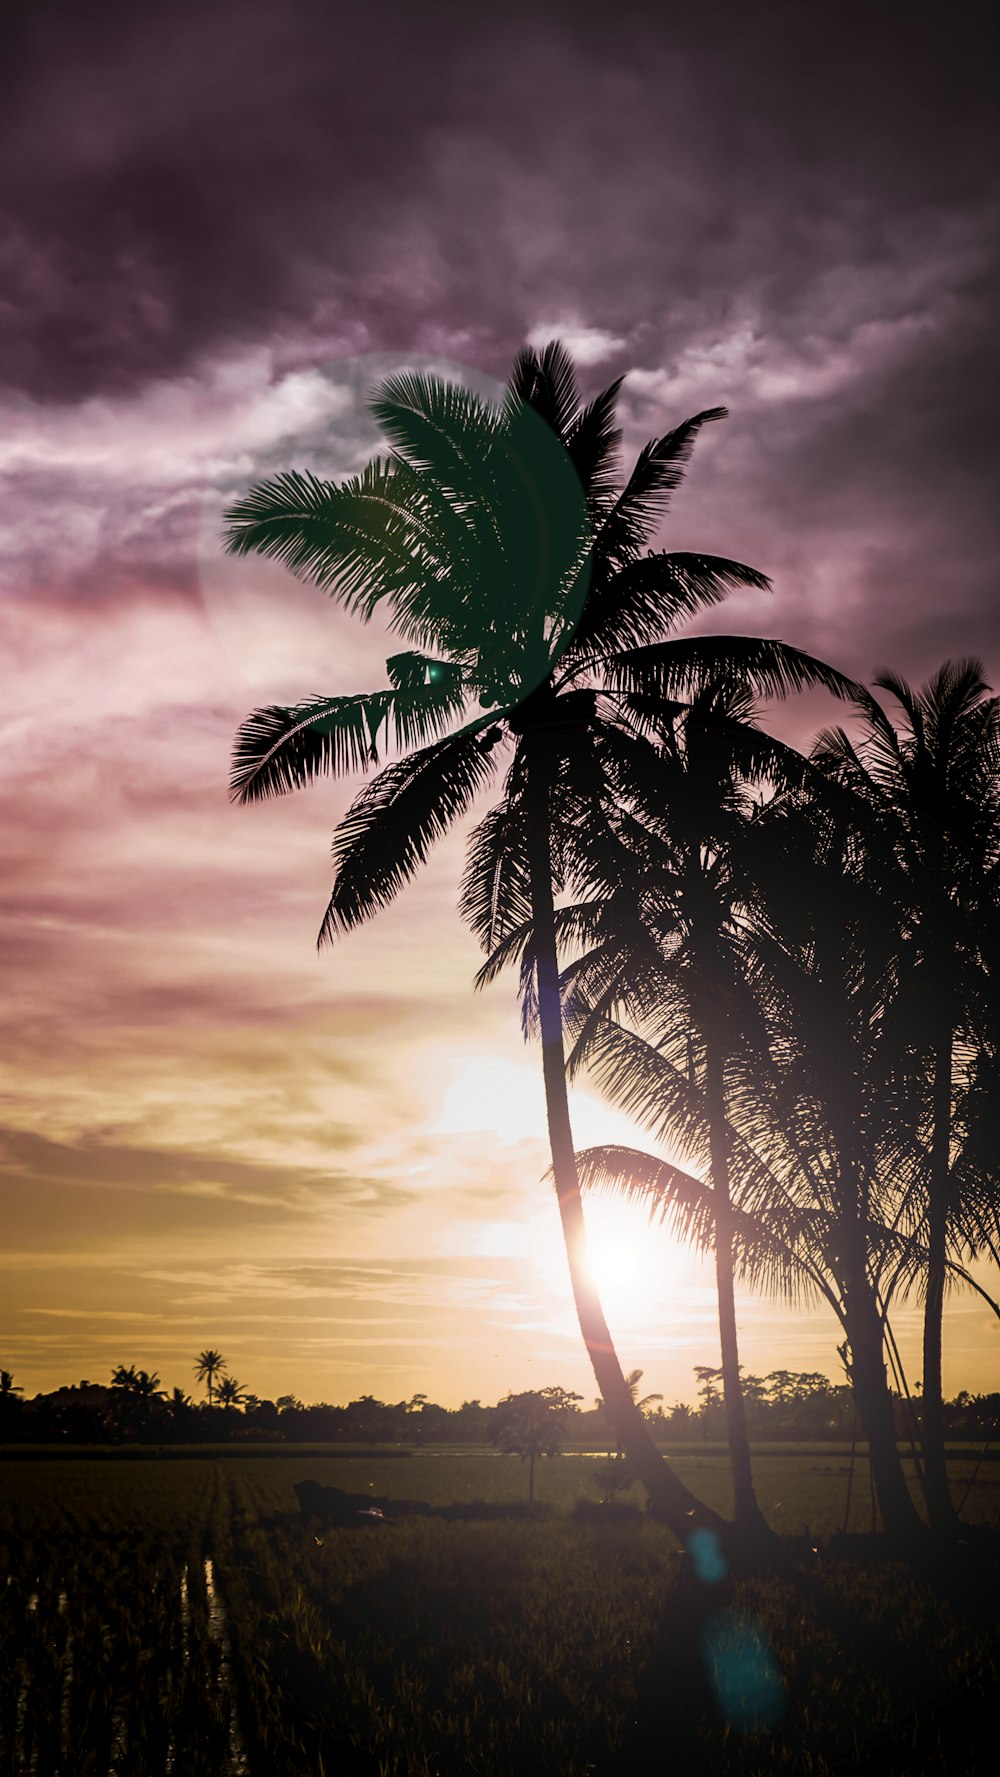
(821,936)
(230,1394)
(632,1382)
(667,955)
(8,1387)
(933,787)
(543,606)
(209,1364)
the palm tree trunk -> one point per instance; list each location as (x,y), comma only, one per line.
(939,1501)
(748,1513)
(874,1403)
(680,1509)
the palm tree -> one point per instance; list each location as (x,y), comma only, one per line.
(663,931)
(668,951)
(934,789)
(8,1387)
(541,604)
(632,1382)
(230,1394)
(797,1217)
(821,940)
(209,1364)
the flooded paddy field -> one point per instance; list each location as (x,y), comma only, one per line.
(178,1617)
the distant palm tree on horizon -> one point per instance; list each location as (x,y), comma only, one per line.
(230,1393)
(208,1365)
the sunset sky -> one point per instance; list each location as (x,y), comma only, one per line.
(221,224)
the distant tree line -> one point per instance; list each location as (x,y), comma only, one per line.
(133,1408)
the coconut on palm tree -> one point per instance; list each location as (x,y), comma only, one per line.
(498,542)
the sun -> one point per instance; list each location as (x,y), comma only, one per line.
(629,1262)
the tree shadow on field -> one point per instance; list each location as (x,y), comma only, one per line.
(340,1510)
(855,1613)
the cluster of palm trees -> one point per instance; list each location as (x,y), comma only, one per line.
(140,1387)
(783,966)
(222,1390)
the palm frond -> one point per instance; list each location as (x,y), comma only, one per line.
(770,668)
(280,749)
(444,431)
(640,602)
(546,382)
(394,820)
(775,1255)
(360,541)
(659,469)
(573,925)
(666,1191)
(593,442)
(495,895)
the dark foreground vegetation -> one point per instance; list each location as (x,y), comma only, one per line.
(181,1617)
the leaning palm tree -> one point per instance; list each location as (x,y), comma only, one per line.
(208,1365)
(660,947)
(933,787)
(501,549)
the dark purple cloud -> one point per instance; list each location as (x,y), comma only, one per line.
(790,208)
(186,176)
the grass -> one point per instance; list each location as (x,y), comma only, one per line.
(176,1617)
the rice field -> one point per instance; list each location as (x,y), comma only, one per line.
(176,1616)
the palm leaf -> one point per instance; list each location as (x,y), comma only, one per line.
(770,668)
(394,820)
(639,603)
(659,469)
(359,541)
(280,749)
(495,896)
(593,442)
(764,1250)
(546,382)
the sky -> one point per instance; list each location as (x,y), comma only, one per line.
(218,226)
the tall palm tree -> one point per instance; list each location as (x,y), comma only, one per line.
(808,1181)
(667,954)
(933,785)
(208,1365)
(498,542)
